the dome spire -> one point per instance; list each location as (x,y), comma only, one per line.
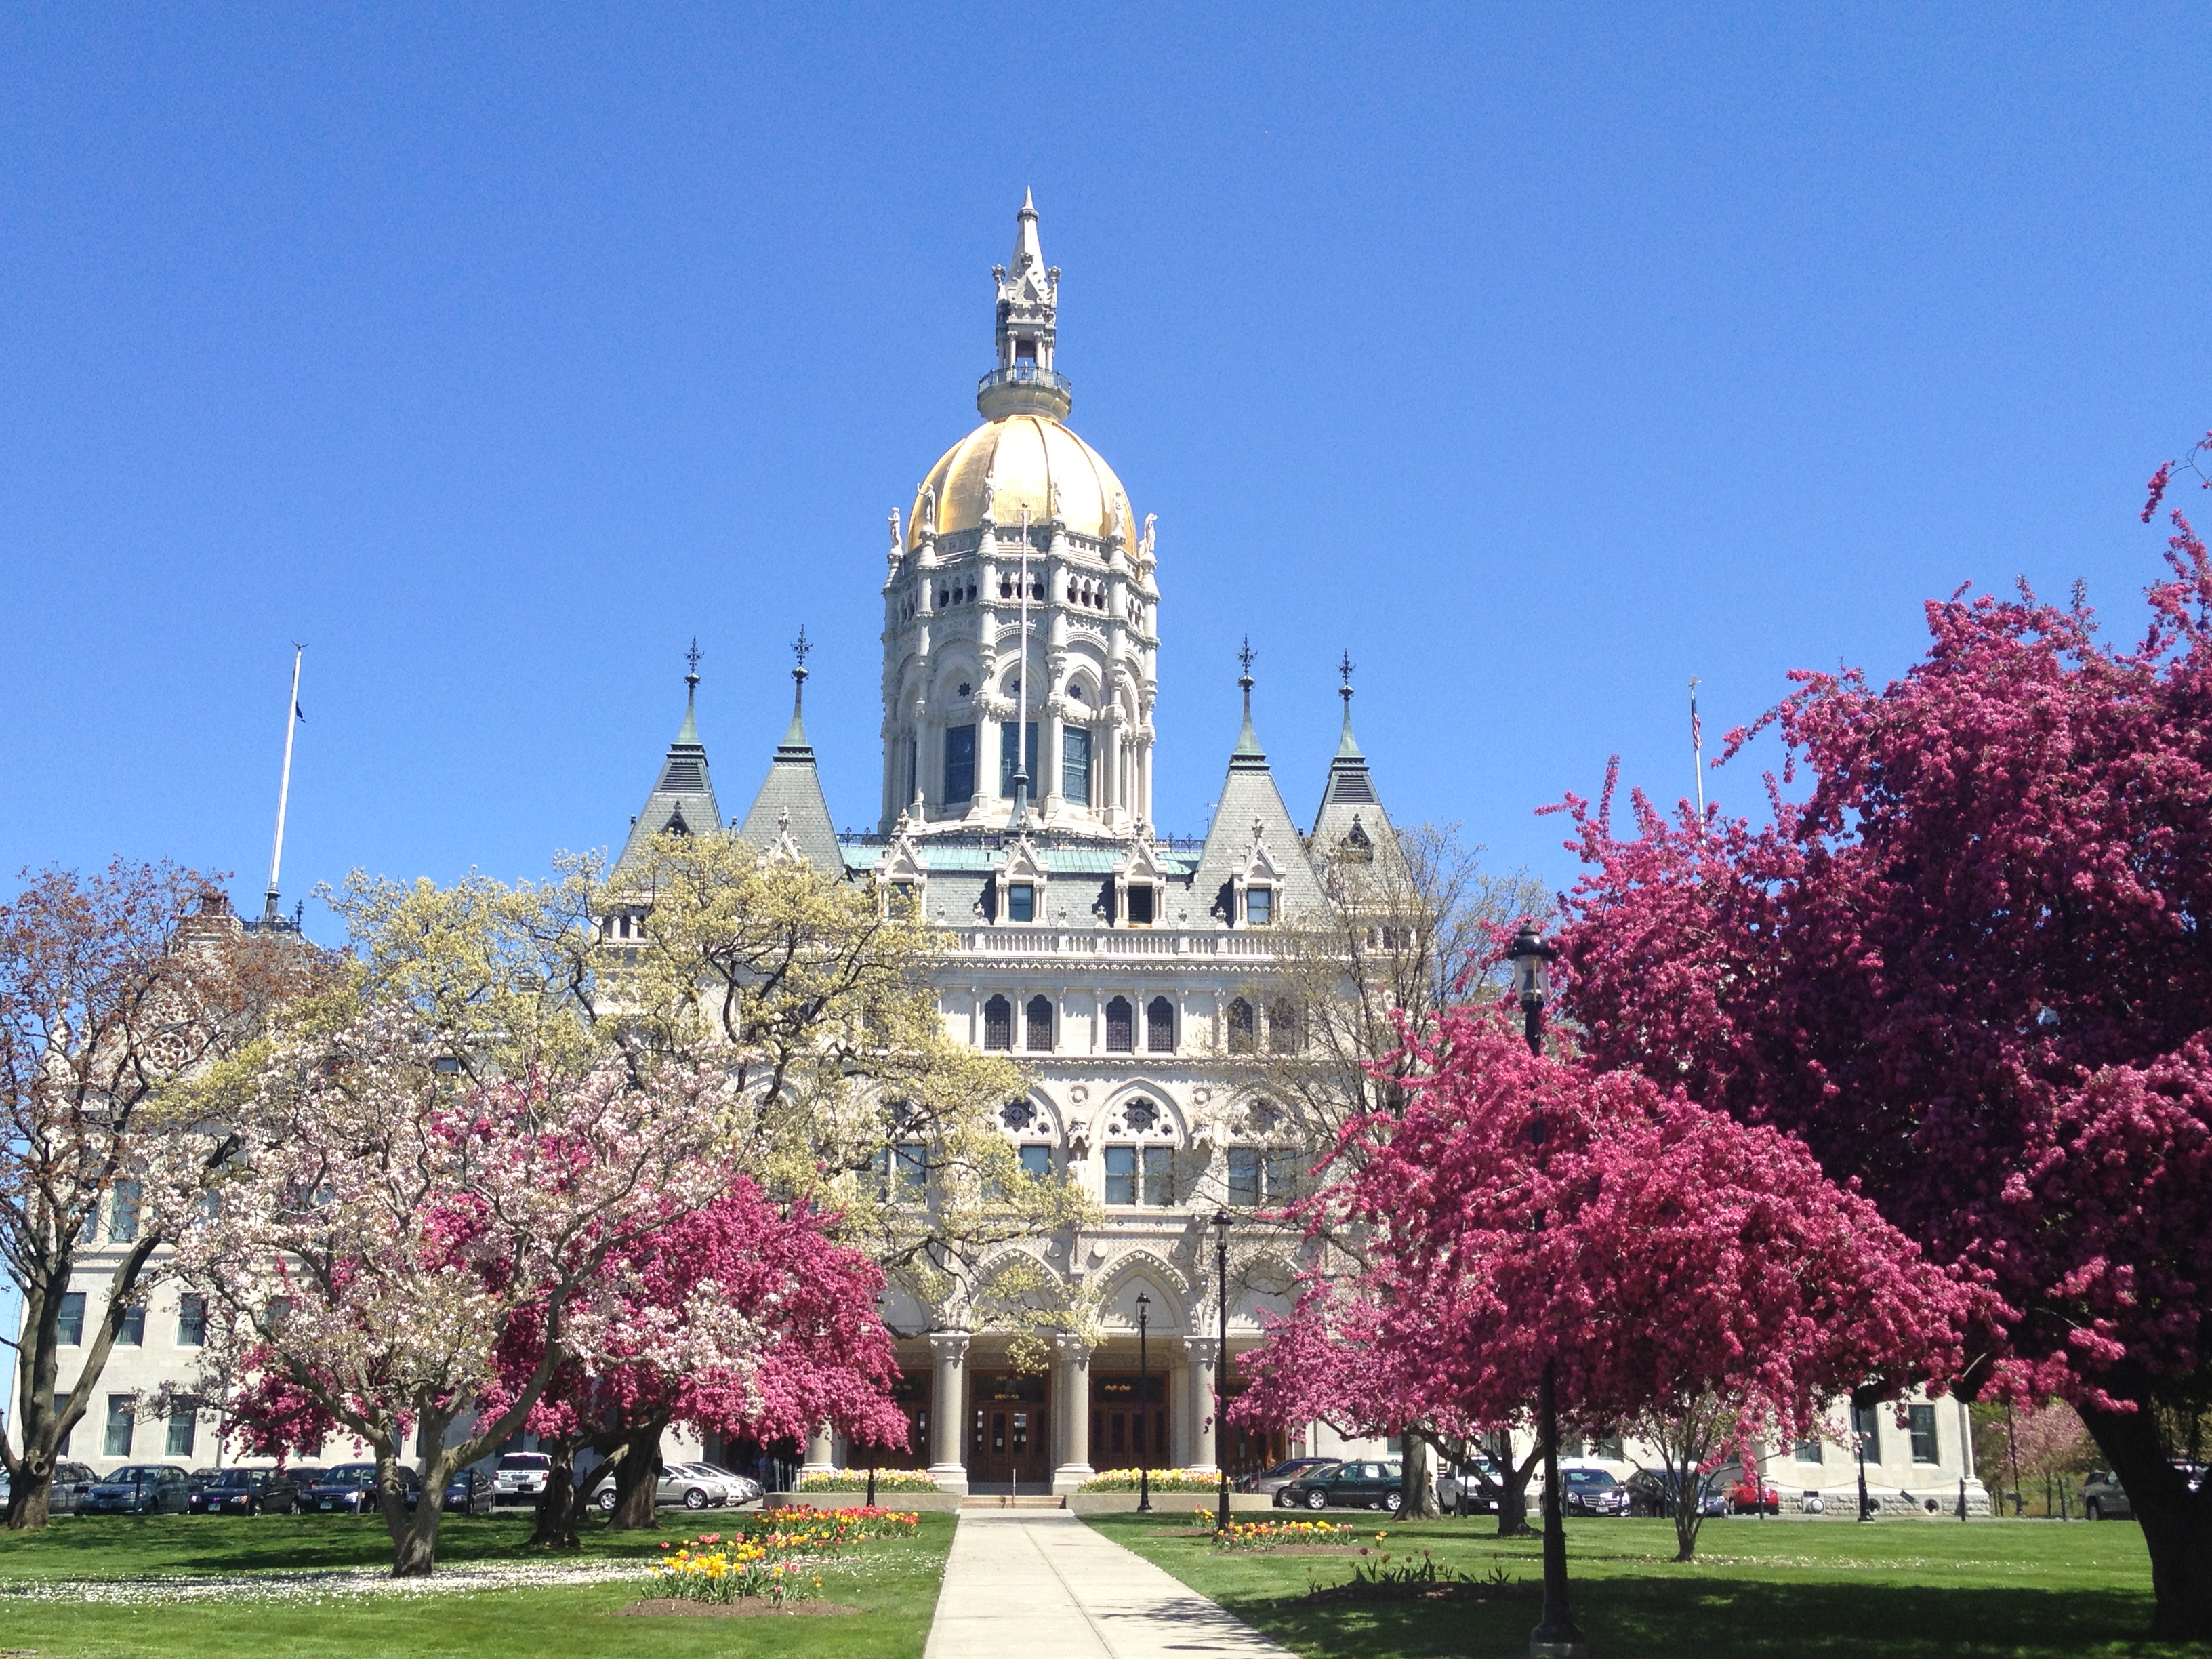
(1347,746)
(1024,382)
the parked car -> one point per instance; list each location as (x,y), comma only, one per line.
(1653,1492)
(1460,1491)
(247,1489)
(71,1482)
(201,1476)
(1747,1494)
(1587,1490)
(1355,1485)
(743,1488)
(350,1489)
(1271,1481)
(692,1485)
(469,1492)
(520,1475)
(139,1489)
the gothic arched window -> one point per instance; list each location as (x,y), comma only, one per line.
(1040,1022)
(1282,1028)
(1160,1026)
(1121,1027)
(1243,1028)
(998,1023)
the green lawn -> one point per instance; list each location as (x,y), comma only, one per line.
(894,1581)
(1760,1589)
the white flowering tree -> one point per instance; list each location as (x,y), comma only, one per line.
(383,1219)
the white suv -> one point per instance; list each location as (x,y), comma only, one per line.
(521,1474)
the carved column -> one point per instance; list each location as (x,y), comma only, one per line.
(1203,1437)
(948,1409)
(1071,1395)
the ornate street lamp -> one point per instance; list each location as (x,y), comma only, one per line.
(1144,1408)
(1558,1637)
(1221,1364)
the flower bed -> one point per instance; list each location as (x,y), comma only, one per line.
(1270,1534)
(857,1481)
(769,1556)
(1163,1480)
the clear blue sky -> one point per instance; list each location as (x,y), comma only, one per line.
(1542,358)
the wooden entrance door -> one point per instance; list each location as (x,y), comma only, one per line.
(1126,1430)
(1009,1436)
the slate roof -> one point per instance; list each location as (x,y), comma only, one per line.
(683,796)
(791,798)
(1249,793)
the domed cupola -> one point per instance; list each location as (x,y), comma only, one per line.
(1019,582)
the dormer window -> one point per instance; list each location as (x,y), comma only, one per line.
(1140,907)
(1021,902)
(1259,906)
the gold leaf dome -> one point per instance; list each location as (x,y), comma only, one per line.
(1023,456)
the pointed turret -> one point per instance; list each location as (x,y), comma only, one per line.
(683,800)
(791,810)
(1252,843)
(1024,382)
(1348,800)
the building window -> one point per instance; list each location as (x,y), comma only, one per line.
(132,1332)
(1282,1029)
(89,1233)
(70,1322)
(62,1445)
(1868,1431)
(1036,1161)
(1808,1451)
(119,1424)
(1160,1026)
(959,765)
(1160,1183)
(1241,1028)
(1244,1177)
(192,1321)
(1283,1175)
(184,1430)
(122,1213)
(1140,907)
(1610,1448)
(1921,1421)
(1021,902)
(999,1024)
(1039,1035)
(1009,740)
(1121,1174)
(904,896)
(1259,906)
(1075,765)
(1121,1027)
(909,1163)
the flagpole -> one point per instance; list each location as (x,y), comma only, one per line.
(283,790)
(1697,749)
(1022,692)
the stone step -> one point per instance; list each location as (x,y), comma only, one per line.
(1004,1501)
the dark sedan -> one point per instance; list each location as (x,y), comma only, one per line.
(1357,1485)
(140,1489)
(247,1491)
(350,1489)
(1273,1480)
(469,1492)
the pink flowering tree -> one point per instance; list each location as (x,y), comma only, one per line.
(384,1220)
(1968,969)
(815,1350)
(1526,1211)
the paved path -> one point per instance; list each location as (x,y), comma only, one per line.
(1039,1585)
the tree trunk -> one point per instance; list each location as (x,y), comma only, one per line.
(1418,1492)
(415,1542)
(558,1504)
(28,1492)
(1514,1478)
(2176,1523)
(637,1475)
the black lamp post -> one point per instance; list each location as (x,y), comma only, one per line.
(1859,1439)
(1221,1364)
(1558,1637)
(1144,1408)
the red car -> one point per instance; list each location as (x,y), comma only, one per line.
(1745,1498)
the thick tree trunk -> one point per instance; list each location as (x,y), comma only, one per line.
(415,1540)
(637,1476)
(29,1491)
(1514,1478)
(1417,1490)
(559,1504)
(2177,1522)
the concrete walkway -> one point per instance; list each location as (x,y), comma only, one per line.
(1039,1585)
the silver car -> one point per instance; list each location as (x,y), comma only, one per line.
(694,1485)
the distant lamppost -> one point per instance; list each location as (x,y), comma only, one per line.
(1558,1637)
(1859,1439)
(1221,1364)
(1144,1408)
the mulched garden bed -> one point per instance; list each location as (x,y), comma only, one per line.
(757,1606)
(1361,1589)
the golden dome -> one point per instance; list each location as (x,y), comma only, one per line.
(1024,456)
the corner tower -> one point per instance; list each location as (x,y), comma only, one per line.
(1020,607)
